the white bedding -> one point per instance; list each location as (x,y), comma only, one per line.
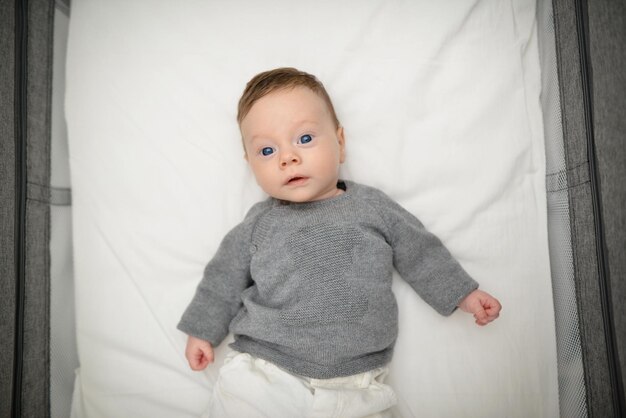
(440,103)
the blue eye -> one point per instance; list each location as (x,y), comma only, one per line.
(267,151)
(305,139)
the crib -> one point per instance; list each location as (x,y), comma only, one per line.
(497,123)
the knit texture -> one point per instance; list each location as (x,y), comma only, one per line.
(307,286)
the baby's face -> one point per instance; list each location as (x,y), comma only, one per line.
(293,146)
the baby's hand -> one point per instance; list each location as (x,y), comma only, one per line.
(199,353)
(485,307)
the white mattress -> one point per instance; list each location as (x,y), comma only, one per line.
(440,103)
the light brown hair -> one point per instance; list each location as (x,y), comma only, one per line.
(285,78)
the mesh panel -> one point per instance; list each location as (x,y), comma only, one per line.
(572,393)
(63,351)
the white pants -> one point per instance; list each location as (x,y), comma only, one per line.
(249,387)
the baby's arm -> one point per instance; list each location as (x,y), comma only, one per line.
(199,353)
(485,307)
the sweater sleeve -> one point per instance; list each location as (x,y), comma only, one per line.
(423,261)
(218,295)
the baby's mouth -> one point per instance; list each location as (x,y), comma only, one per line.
(296,180)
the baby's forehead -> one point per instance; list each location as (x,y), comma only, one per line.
(300,99)
(293,93)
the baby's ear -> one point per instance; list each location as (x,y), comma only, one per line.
(342,144)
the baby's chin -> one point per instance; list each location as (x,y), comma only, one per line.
(306,198)
(293,197)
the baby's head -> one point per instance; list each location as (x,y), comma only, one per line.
(292,138)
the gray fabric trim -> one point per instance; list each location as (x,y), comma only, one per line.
(565,179)
(38,193)
(7,205)
(581,216)
(596,362)
(35,371)
(56,196)
(607,22)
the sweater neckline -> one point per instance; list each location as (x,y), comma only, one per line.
(346,185)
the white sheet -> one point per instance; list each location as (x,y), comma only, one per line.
(440,102)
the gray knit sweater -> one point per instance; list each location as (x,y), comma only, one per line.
(307,286)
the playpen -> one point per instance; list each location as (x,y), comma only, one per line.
(500,124)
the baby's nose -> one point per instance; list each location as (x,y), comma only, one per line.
(289,158)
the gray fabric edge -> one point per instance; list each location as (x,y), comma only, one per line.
(7,205)
(57,196)
(607,22)
(36,367)
(35,372)
(572,177)
(588,294)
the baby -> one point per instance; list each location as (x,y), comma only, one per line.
(304,282)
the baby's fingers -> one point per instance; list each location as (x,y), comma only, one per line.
(493,308)
(200,360)
(481,317)
(489,316)
(208,353)
(199,353)
(484,320)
